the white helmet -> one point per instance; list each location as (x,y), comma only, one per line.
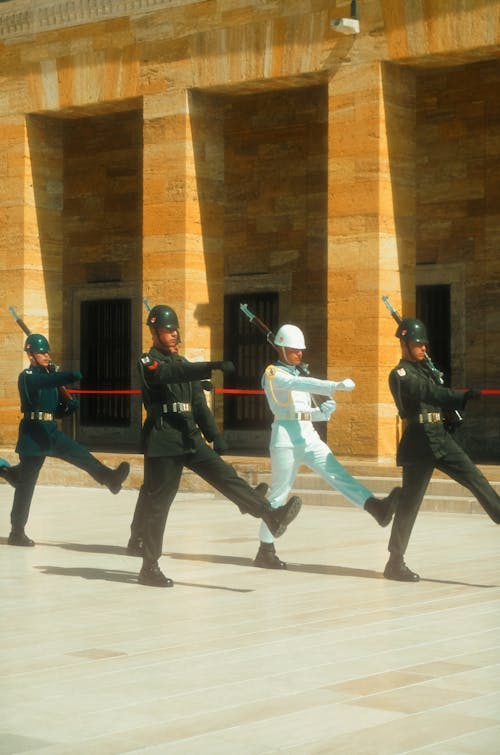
(290,336)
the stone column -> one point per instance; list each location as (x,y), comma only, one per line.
(182,218)
(30,247)
(12,218)
(371,248)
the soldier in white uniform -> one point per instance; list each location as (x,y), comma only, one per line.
(294,441)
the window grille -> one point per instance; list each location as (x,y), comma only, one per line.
(105,336)
(247,347)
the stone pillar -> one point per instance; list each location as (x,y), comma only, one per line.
(30,248)
(12,218)
(43,228)
(371,249)
(182,216)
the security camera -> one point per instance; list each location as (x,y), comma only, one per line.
(345,25)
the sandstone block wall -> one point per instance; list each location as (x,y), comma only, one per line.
(181,150)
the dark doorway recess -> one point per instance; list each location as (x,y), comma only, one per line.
(105,338)
(433,308)
(248,348)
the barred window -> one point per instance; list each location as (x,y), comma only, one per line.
(105,358)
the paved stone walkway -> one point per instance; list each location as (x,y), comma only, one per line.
(327,657)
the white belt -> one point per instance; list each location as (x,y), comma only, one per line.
(300,416)
(176,407)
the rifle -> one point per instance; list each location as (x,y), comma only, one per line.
(451,418)
(302,368)
(64,394)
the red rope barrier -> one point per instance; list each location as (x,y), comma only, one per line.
(242,391)
(229,391)
(113,392)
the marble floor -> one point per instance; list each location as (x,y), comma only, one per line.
(327,657)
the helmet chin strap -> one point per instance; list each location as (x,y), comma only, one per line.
(282,355)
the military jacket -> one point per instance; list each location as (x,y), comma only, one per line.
(288,394)
(417,395)
(177,411)
(38,391)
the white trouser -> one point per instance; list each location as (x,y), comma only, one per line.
(316,455)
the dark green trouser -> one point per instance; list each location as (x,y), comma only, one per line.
(416,477)
(29,468)
(162,476)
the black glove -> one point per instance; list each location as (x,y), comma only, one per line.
(227,367)
(220,444)
(75,376)
(207,385)
(471,394)
(71,406)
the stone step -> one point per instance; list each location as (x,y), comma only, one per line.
(458,504)
(379,485)
(443,494)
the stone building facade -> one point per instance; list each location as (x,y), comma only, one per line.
(202,152)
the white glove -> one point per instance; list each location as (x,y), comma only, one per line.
(328,407)
(345,385)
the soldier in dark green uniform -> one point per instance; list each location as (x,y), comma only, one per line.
(40,437)
(426,443)
(208,426)
(177,414)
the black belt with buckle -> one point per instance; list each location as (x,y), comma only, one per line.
(426,418)
(41,416)
(176,407)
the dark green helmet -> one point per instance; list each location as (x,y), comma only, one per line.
(36,344)
(163,316)
(411,329)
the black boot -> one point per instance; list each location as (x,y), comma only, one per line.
(382,509)
(10,474)
(19,537)
(396,569)
(113,478)
(152,575)
(135,546)
(267,557)
(278,519)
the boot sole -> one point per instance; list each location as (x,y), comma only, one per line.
(151,583)
(402,578)
(294,506)
(123,471)
(392,508)
(279,567)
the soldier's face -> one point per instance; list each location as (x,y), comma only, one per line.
(167,338)
(40,359)
(417,351)
(292,356)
